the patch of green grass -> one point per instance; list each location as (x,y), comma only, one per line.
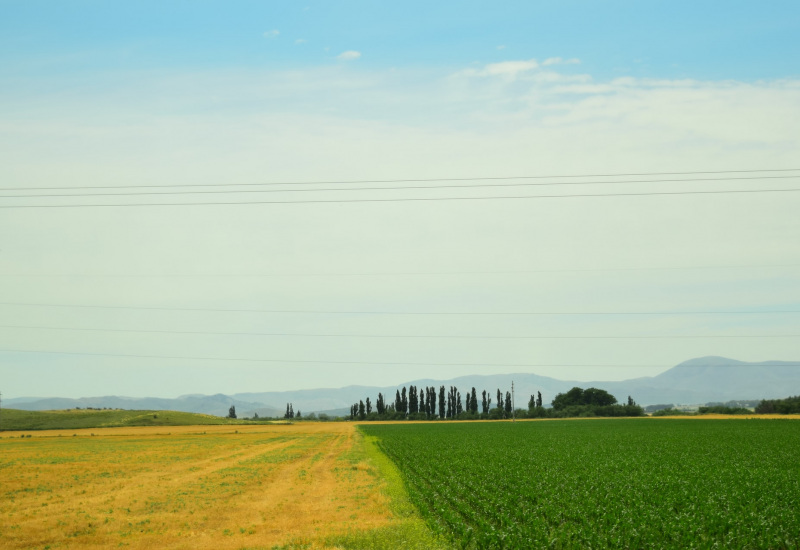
(19,420)
(408,530)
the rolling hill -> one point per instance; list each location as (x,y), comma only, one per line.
(699,380)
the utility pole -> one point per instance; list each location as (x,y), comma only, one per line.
(513,409)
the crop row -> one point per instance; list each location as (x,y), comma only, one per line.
(608,483)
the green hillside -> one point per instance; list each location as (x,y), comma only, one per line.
(13,419)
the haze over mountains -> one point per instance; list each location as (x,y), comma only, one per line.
(698,380)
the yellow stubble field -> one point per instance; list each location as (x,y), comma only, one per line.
(187,487)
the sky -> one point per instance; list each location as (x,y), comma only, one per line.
(283,217)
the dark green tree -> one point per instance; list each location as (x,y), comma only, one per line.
(473,408)
(441,403)
(484,404)
(361,411)
(232,412)
(508,404)
(499,399)
(398,402)
(369,406)
(380,405)
(538,399)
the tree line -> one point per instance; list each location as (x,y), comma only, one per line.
(426,403)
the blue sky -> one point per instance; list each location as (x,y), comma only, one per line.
(200,93)
(700,40)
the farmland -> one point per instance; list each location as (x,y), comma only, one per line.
(603,483)
(268,486)
(14,419)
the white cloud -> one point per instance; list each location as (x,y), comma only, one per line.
(300,41)
(501,47)
(509,69)
(349,55)
(272,34)
(560,61)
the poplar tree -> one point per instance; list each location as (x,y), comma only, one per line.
(369,406)
(441,403)
(484,403)
(474,402)
(380,406)
(509,404)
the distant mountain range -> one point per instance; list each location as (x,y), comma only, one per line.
(702,380)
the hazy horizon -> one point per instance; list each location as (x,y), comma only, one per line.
(349,193)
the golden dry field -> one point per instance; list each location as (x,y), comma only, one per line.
(189,487)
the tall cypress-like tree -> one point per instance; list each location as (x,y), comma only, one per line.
(539,399)
(413,404)
(423,408)
(369,406)
(380,406)
(361,410)
(509,404)
(398,402)
(484,403)
(441,403)
(459,408)
(474,402)
(469,402)
(404,401)
(499,399)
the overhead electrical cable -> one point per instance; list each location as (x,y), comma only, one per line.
(400,188)
(407,180)
(393,336)
(329,362)
(395,273)
(416,199)
(377,312)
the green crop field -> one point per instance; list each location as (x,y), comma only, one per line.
(648,483)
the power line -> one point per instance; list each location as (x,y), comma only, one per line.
(405,187)
(393,336)
(250,360)
(409,180)
(419,199)
(365,312)
(397,273)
